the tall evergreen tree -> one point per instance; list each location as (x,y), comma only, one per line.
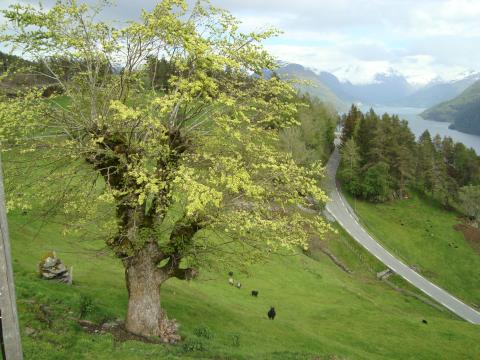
(379,142)
(349,173)
(402,166)
(364,136)
(350,123)
(425,163)
(442,183)
(376,182)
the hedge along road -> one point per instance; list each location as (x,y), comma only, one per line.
(345,216)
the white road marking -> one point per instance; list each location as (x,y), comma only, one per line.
(368,242)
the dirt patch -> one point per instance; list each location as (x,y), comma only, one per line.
(117,330)
(471,234)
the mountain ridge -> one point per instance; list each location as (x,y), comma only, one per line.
(315,86)
(463,111)
(390,88)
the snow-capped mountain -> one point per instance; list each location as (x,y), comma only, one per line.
(440,90)
(385,87)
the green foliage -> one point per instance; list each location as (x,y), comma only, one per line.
(349,172)
(159,72)
(350,121)
(86,306)
(381,160)
(313,139)
(364,137)
(204,331)
(209,141)
(426,162)
(351,181)
(193,344)
(375,184)
(157,167)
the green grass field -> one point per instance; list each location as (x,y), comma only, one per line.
(322,312)
(421,233)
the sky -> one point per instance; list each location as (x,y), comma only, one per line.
(423,40)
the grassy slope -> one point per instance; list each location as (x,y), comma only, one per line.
(321,309)
(423,241)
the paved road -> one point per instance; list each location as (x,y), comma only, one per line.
(344,214)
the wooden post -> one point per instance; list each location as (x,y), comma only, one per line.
(8,306)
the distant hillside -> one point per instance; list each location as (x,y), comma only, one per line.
(463,111)
(438,92)
(336,86)
(317,88)
(385,89)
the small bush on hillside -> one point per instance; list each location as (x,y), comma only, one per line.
(235,339)
(194,344)
(86,306)
(204,331)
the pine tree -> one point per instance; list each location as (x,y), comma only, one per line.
(390,160)
(425,162)
(375,182)
(379,141)
(440,179)
(350,123)
(402,165)
(349,174)
(364,136)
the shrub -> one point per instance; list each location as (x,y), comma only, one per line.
(194,344)
(204,331)
(235,338)
(86,306)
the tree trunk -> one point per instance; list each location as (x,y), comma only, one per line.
(145,316)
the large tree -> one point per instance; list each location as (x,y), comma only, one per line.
(425,171)
(169,168)
(367,128)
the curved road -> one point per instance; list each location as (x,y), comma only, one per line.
(345,216)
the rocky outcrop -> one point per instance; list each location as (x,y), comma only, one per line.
(52,268)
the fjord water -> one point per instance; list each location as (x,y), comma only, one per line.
(419,125)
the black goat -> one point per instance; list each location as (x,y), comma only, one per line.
(271,313)
(255,293)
